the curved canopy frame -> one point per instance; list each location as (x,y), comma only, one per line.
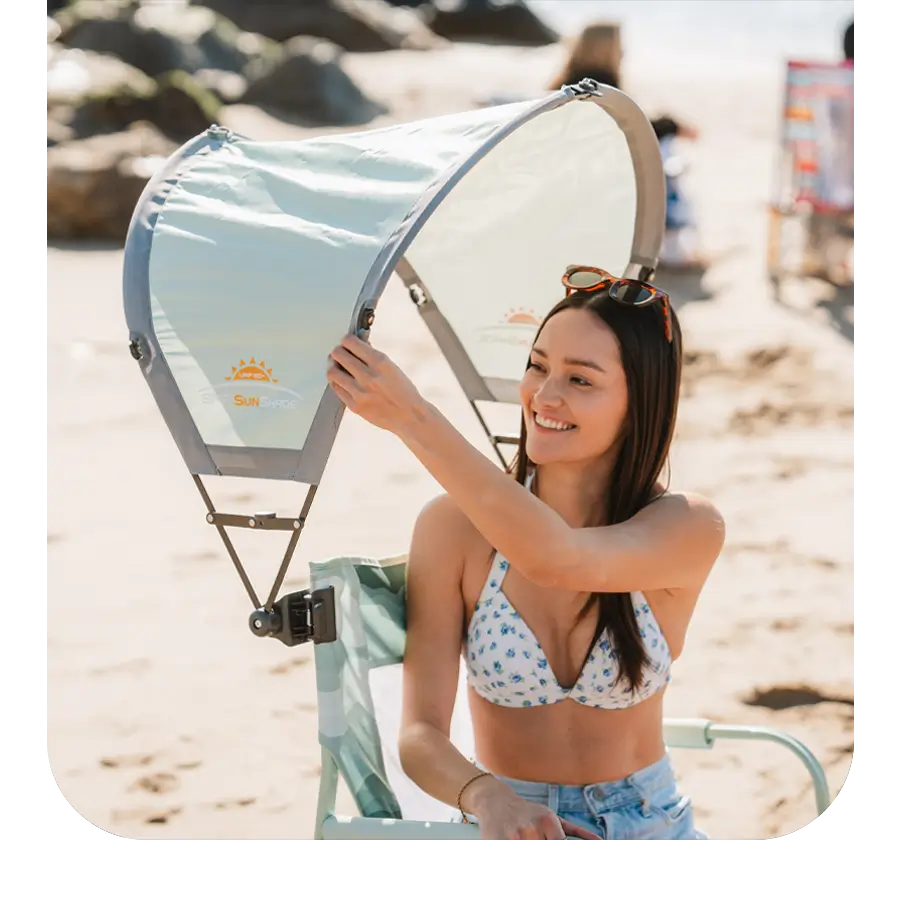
(246,262)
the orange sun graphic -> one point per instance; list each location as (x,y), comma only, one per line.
(251,371)
(521,317)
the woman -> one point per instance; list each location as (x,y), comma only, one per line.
(568,588)
(597,54)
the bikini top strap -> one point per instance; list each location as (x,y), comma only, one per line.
(499,563)
(499,568)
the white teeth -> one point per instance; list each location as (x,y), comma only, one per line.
(549,423)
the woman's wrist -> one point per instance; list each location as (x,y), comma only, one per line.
(480,793)
(422,419)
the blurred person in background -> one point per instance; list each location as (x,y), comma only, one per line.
(848,42)
(597,54)
(831,228)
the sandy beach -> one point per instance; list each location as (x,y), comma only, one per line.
(167,719)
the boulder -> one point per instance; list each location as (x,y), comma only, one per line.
(52,30)
(161,38)
(359,26)
(73,75)
(92,93)
(93,185)
(490,21)
(58,133)
(308,85)
(226,87)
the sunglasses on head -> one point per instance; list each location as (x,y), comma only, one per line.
(627,291)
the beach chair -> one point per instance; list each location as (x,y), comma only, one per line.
(358,676)
(246,263)
(811,214)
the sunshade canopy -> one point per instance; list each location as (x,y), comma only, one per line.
(246,262)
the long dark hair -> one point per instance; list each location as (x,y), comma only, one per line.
(653,377)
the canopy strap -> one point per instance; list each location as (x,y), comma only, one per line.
(447,339)
(262,522)
(467,375)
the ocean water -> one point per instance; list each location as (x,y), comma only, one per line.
(738,33)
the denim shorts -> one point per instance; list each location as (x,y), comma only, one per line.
(645,806)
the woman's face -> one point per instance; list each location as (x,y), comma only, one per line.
(574,394)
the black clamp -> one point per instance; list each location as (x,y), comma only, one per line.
(298,618)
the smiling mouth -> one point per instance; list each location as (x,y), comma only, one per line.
(552,424)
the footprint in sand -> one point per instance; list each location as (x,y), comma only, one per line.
(290,665)
(146,815)
(767,416)
(232,804)
(127,667)
(203,556)
(127,760)
(158,783)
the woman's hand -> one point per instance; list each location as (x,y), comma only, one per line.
(503,815)
(369,384)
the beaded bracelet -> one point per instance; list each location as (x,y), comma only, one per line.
(465,818)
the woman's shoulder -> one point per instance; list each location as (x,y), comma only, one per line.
(687,509)
(441,520)
(445,541)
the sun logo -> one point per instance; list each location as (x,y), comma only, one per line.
(251,371)
(521,317)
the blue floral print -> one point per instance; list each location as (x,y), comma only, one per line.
(525,669)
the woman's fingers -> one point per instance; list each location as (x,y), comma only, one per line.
(340,380)
(360,349)
(343,396)
(355,366)
(579,832)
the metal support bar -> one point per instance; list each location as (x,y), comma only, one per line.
(494,440)
(292,544)
(227,542)
(328,784)
(356,828)
(259,522)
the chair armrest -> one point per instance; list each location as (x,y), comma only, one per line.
(702,734)
(359,828)
(688,733)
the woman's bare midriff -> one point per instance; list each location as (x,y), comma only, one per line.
(567,743)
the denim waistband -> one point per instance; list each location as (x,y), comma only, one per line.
(602,796)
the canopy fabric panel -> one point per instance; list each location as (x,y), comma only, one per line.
(246,262)
(248,269)
(561,189)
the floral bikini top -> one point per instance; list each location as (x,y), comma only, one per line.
(507,666)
